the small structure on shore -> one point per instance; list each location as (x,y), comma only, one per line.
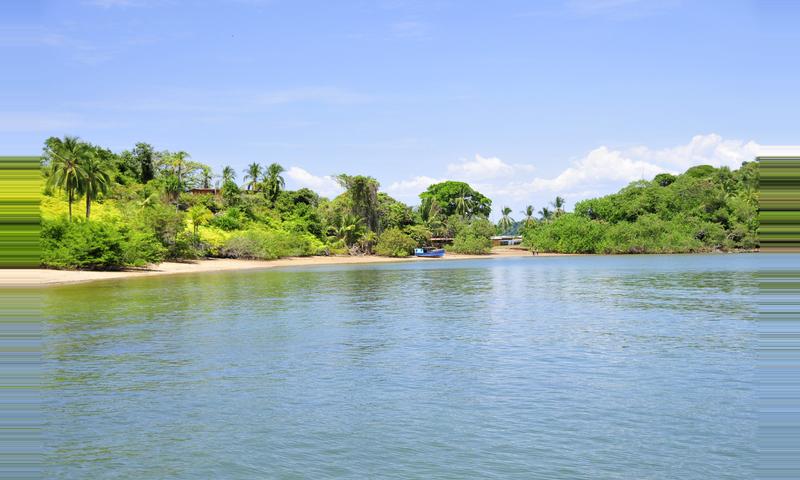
(204,191)
(506,240)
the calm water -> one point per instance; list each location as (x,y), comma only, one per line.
(538,368)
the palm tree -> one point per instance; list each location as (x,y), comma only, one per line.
(363,195)
(66,163)
(546,214)
(463,203)
(228,174)
(205,176)
(506,221)
(558,204)
(273,181)
(349,229)
(528,212)
(253,173)
(95,180)
(179,162)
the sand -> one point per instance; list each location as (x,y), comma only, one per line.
(40,277)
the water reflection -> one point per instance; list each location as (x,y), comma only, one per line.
(521,368)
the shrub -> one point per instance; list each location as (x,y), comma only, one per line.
(569,233)
(271,244)
(97,245)
(419,233)
(474,238)
(394,243)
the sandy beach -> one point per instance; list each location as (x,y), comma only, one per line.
(41,277)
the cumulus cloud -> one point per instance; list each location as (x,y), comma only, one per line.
(600,171)
(486,167)
(324,185)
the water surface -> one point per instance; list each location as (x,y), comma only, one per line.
(535,368)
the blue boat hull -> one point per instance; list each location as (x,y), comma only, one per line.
(438,253)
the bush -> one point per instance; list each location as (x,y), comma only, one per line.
(231,219)
(419,233)
(394,243)
(271,244)
(569,233)
(474,238)
(97,245)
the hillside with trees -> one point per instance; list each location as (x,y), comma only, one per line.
(704,209)
(106,210)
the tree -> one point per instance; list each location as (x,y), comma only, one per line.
(348,229)
(506,221)
(228,174)
(558,204)
(95,180)
(199,215)
(546,214)
(205,176)
(362,194)
(143,153)
(273,181)
(179,162)
(253,173)
(458,198)
(528,213)
(66,158)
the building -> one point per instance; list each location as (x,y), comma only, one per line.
(506,240)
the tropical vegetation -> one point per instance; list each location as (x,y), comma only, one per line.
(704,209)
(144,206)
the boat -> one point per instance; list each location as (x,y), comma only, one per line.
(429,252)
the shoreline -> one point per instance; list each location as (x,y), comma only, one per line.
(38,277)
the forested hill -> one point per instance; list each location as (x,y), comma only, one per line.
(704,209)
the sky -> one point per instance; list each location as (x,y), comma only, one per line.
(525,100)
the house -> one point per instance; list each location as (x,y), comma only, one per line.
(506,240)
(204,191)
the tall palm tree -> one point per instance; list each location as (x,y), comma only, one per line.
(228,174)
(179,162)
(363,193)
(95,181)
(506,221)
(558,204)
(528,212)
(546,214)
(253,173)
(273,181)
(463,203)
(205,176)
(66,163)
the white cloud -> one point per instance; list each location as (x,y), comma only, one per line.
(330,95)
(408,190)
(485,168)
(710,149)
(324,185)
(600,171)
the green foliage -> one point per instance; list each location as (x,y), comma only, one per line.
(474,238)
(704,209)
(569,233)
(394,243)
(420,234)
(231,219)
(271,244)
(457,198)
(96,245)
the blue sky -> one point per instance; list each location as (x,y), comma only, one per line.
(524,99)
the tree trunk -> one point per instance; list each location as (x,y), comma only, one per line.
(88,205)
(70,204)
